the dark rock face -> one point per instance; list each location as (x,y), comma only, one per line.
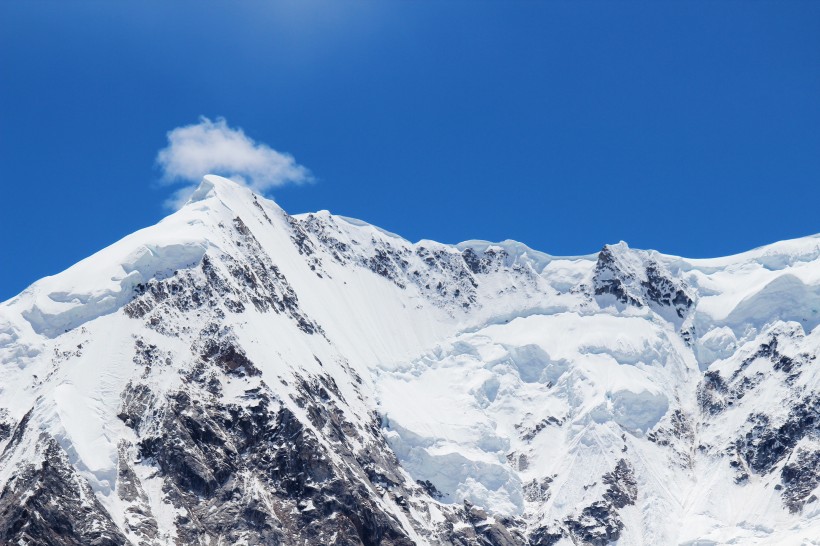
(473,262)
(440,275)
(610,279)
(528,433)
(538,490)
(305,246)
(6,425)
(388,262)
(771,350)
(678,435)
(429,488)
(51,504)
(663,291)
(261,280)
(139,520)
(599,524)
(249,278)
(326,236)
(717,393)
(640,285)
(770,441)
(489,261)
(215,457)
(765,444)
(545,536)
(680,427)
(481,529)
(711,393)
(219,347)
(622,490)
(445,277)
(800,476)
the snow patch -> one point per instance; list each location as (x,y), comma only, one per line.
(716,344)
(85,438)
(458,477)
(534,364)
(637,412)
(785,298)
(94,294)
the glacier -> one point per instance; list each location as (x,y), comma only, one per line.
(238,375)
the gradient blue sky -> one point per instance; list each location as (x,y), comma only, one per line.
(689,127)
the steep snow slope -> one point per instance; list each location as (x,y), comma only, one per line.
(236,375)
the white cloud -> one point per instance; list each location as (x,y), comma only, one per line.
(212,147)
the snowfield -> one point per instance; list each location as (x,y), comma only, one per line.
(237,375)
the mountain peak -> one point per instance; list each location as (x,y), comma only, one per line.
(225,189)
(639,278)
(332,382)
(209,186)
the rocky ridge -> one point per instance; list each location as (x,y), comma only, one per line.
(237,375)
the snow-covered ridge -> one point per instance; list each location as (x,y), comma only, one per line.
(105,281)
(235,374)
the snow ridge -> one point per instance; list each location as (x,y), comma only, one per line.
(238,375)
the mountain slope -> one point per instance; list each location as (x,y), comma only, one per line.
(237,375)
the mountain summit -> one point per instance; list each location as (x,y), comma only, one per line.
(238,375)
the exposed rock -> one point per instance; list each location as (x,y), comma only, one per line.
(800,478)
(765,444)
(711,393)
(50,503)
(640,281)
(611,279)
(599,524)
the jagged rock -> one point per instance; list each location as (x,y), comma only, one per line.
(711,391)
(599,524)
(50,503)
(800,478)
(765,444)
(639,281)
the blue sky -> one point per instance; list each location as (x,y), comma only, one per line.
(689,127)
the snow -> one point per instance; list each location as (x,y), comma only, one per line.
(369,227)
(536,367)
(104,282)
(784,298)
(518,252)
(468,398)
(717,343)
(85,439)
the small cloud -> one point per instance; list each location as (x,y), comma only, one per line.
(212,147)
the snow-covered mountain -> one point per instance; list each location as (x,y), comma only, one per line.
(237,375)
